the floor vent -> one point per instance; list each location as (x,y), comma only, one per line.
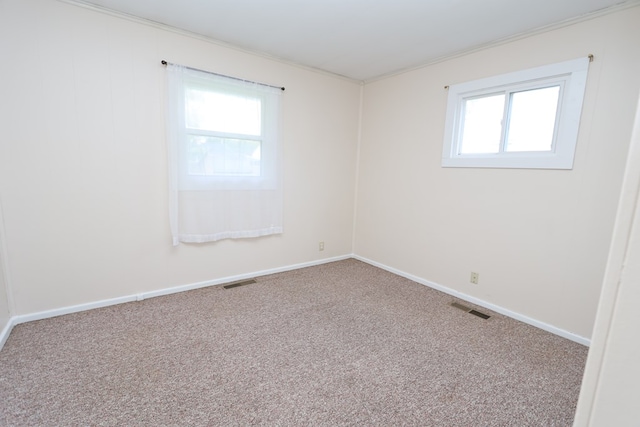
(477,313)
(470,310)
(242,283)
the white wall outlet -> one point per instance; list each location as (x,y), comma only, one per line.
(474,278)
(321,246)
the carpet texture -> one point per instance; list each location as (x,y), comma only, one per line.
(340,344)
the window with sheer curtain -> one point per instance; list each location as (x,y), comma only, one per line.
(224,157)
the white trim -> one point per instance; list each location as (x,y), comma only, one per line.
(570,75)
(165,27)
(228,279)
(513,38)
(16,320)
(4,259)
(517,316)
(24,318)
(623,234)
(478,48)
(4,335)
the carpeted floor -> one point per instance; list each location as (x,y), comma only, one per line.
(341,344)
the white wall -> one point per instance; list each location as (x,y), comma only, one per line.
(538,238)
(83,171)
(611,383)
(83,168)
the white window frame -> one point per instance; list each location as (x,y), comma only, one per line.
(268,141)
(571,76)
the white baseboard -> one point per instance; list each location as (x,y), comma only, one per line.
(4,335)
(16,320)
(517,316)
(238,277)
(24,318)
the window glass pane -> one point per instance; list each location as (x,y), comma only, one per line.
(532,119)
(220,112)
(482,125)
(213,156)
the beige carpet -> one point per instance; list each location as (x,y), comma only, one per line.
(341,344)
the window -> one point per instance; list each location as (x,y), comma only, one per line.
(526,119)
(223,157)
(229,133)
(224,133)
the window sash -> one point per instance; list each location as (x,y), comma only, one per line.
(233,95)
(507,109)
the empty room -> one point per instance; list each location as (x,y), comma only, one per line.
(357,213)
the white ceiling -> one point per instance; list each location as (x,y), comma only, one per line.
(359,39)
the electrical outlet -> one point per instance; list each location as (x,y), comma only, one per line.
(474,278)
(321,246)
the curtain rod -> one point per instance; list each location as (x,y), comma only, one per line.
(165,63)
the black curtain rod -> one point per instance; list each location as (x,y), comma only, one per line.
(222,75)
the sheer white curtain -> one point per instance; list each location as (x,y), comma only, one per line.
(224,157)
